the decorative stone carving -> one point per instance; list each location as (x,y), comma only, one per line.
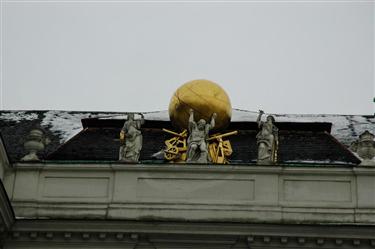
(131,139)
(267,140)
(197,144)
(35,142)
(365,148)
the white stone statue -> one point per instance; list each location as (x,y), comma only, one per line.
(365,148)
(131,137)
(267,140)
(198,134)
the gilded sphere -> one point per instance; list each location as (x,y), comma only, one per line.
(205,98)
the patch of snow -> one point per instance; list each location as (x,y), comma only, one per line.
(156,115)
(122,116)
(67,124)
(18,116)
(345,128)
(243,116)
(160,116)
(317,162)
(64,124)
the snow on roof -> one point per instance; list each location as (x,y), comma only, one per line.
(18,116)
(66,124)
(345,128)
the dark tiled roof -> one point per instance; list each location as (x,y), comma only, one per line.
(103,144)
(14,133)
(57,125)
(298,142)
(308,141)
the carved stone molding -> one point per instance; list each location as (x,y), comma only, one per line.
(192,235)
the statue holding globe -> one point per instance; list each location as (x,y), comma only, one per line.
(205,98)
(197,144)
(207,102)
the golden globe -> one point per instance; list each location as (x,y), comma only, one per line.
(205,98)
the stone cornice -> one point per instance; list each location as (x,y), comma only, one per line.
(295,169)
(111,167)
(304,236)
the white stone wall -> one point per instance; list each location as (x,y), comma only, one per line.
(270,194)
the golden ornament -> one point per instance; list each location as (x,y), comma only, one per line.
(205,98)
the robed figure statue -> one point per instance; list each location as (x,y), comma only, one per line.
(197,141)
(131,138)
(267,140)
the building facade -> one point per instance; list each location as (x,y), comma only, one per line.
(78,195)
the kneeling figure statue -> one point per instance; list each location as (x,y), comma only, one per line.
(197,141)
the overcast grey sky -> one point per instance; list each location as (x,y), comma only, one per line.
(286,57)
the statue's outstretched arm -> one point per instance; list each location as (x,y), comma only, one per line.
(123,132)
(276,134)
(191,120)
(212,123)
(124,126)
(259,118)
(142,118)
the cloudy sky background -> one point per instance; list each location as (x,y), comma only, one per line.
(283,57)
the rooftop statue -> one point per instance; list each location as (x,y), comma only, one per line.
(131,138)
(203,100)
(197,141)
(365,148)
(267,140)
